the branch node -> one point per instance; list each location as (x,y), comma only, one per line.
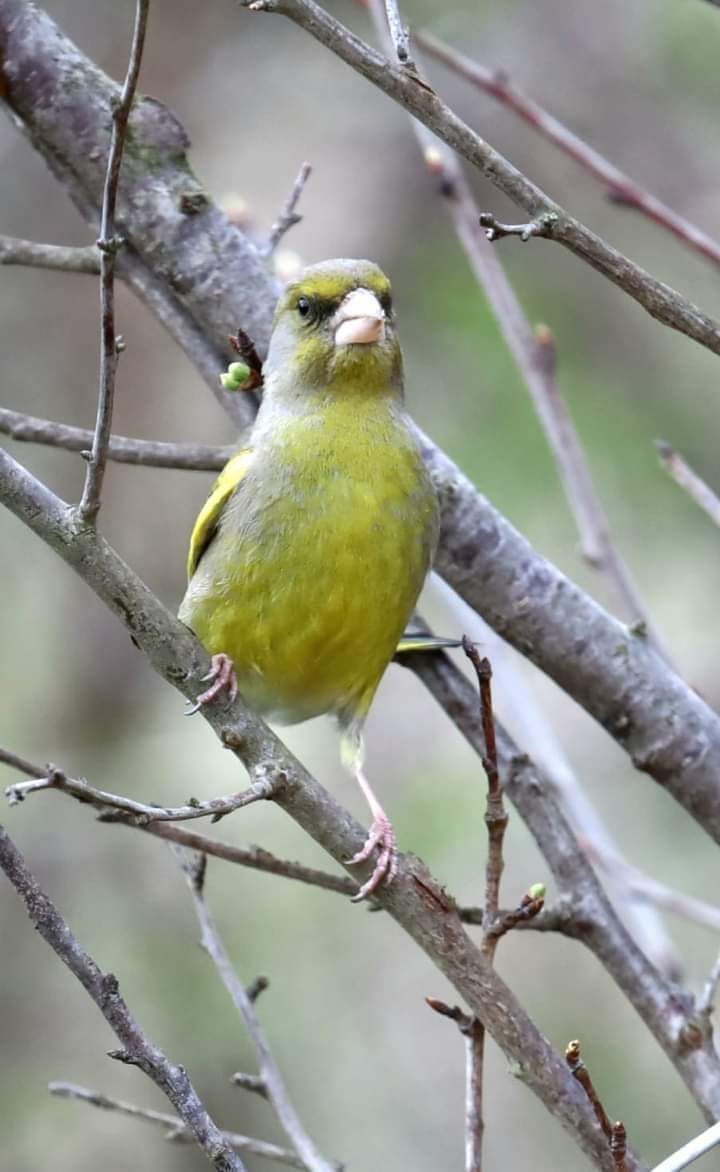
(542,225)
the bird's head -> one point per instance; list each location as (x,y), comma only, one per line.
(334,330)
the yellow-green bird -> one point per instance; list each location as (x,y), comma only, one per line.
(308,557)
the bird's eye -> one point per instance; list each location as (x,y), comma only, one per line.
(304,307)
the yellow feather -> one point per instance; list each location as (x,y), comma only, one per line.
(209,515)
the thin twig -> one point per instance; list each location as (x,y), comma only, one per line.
(399,34)
(618,1146)
(706,1000)
(288,216)
(116,808)
(122,449)
(580,492)
(661,302)
(138,1050)
(579,1071)
(474,1037)
(177,1131)
(694,486)
(691,1151)
(250,1082)
(496,818)
(49,256)
(108,244)
(269,1070)
(620,187)
(496,821)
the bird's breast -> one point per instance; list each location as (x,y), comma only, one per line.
(317,566)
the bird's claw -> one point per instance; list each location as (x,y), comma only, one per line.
(222,675)
(381,835)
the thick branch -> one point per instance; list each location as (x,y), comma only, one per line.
(414,898)
(103,988)
(660,300)
(173,233)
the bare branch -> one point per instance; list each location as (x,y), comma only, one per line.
(115,808)
(177,1131)
(288,216)
(137,1050)
(697,1147)
(694,486)
(193,867)
(474,1037)
(147,453)
(660,300)
(583,911)
(399,35)
(580,1071)
(706,1001)
(496,818)
(414,899)
(535,357)
(108,244)
(49,256)
(621,189)
(250,1082)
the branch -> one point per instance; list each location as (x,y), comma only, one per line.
(583,910)
(660,300)
(115,808)
(288,216)
(137,1050)
(49,256)
(108,244)
(620,188)
(399,36)
(692,1150)
(535,357)
(694,486)
(173,234)
(147,453)
(414,899)
(177,1131)
(193,867)
(473,1034)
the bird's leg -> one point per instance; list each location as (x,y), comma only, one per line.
(381,835)
(222,677)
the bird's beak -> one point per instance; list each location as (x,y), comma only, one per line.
(359,319)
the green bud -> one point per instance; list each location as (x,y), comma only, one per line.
(537,891)
(235,376)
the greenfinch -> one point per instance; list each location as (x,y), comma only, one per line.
(308,557)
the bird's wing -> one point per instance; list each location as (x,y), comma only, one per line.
(208,519)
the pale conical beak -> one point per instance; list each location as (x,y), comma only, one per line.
(359,320)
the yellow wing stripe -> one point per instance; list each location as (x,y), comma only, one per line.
(209,515)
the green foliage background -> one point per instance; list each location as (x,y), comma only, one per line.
(377,1077)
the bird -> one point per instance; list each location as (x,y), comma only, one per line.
(307,559)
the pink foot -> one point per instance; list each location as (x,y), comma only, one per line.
(381,835)
(222,675)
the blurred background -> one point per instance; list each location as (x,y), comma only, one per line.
(377,1077)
